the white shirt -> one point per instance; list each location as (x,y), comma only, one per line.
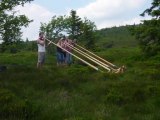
(41,48)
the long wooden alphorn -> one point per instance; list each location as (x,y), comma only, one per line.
(94,67)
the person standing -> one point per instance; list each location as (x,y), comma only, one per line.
(41,50)
(60,56)
(59,53)
(68,43)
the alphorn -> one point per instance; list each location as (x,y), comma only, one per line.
(92,66)
(103,64)
(92,57)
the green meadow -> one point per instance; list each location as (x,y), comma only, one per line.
(78,92)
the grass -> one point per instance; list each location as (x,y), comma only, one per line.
(78,92)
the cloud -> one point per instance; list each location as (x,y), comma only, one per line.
(38,14)
(107,13)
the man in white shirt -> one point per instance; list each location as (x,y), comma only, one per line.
(41,50)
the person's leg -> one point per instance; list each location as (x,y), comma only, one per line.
(67,58)
(62,58)
(58,58)
(70,59)
(39,60)
(42,58)
(38,65)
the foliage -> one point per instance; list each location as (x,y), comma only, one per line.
(77,91)
(153,10)
(11,28)
(89,34)
(14,108)
(54,28)
(115,37)
(10,4)
(148,33)
(149,36)
(72,26)
(10,23)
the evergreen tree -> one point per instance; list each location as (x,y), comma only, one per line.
(74,25)
(88,33)
(148,33)
(71,25)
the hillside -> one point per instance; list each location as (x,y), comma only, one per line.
(116,37)
(78,92)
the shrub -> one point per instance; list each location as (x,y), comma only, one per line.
(14,107)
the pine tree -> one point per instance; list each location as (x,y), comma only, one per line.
(148,33)
(74,25)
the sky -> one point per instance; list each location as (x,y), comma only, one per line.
(104,13)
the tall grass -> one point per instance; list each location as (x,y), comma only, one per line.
(78,92)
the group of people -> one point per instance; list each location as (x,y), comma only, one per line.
(63,50)
(63,45)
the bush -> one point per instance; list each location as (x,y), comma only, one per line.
(14,107)
(115,97)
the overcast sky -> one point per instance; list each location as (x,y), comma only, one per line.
(105,13)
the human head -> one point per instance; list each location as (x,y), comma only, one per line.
(41,34)
(63,38)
